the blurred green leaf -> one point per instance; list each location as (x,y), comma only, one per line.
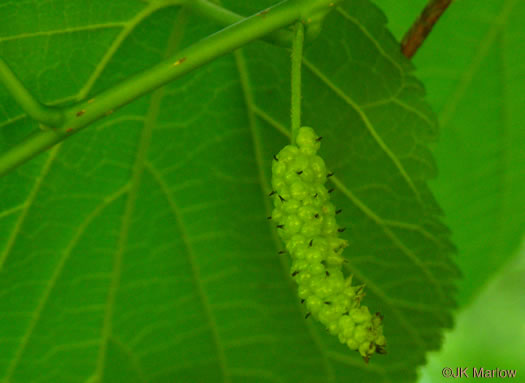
(489,333)
(473,66)
(139,250)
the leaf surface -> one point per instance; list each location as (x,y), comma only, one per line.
(139,250)
(473,66)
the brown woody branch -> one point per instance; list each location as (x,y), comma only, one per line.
(422,26)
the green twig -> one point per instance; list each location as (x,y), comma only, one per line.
(46,115)
(80,115)
(297,59)
(225,17)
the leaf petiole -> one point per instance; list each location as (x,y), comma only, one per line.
(48,116)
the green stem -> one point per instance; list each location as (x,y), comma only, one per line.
(80,115)
(225,17)
(297,58)
(46,115)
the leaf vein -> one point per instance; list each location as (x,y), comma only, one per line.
(27,205)
(397,163)
(212,321)
(92,27)
(36,315)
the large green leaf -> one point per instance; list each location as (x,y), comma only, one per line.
(139,250)
(473,66)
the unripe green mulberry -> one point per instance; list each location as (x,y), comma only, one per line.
(306,222)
